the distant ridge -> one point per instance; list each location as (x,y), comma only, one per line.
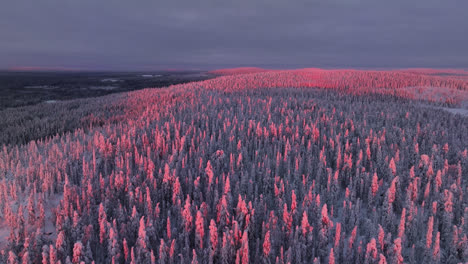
(429,71)
(240,70)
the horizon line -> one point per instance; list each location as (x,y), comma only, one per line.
(38,69)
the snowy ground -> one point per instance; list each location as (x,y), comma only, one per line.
(462,110)
(49,229)
(442,94)
(438,94)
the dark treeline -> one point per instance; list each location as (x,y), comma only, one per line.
(29,88)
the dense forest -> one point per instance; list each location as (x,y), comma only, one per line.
(301,166)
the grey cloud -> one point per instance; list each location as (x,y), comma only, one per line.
(126,35)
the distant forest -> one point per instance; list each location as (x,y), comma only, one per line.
(29,88)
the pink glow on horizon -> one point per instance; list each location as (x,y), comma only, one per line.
(240,70)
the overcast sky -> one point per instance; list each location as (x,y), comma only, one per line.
(188,34)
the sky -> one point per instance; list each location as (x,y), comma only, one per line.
(187,34)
